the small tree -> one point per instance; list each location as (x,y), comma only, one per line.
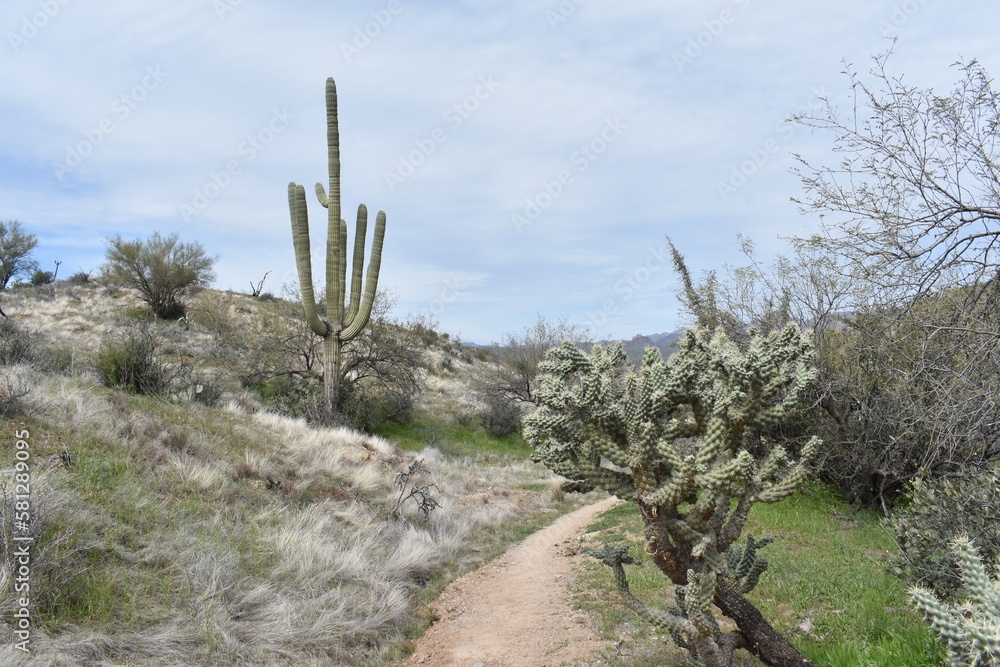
(160,269)
(915,195)
(509,381)
(910,206)
(514,374)
(15,252)
(676,438)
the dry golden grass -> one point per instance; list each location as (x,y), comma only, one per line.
(187,535)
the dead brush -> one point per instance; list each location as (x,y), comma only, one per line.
(407,481)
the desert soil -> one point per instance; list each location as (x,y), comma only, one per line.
(516,611)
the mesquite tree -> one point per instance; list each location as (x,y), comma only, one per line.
(913,195)
(676,438)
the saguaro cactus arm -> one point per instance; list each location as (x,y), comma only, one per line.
(300,239)
(360,314)
(361,230)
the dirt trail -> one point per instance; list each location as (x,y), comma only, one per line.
(515,611)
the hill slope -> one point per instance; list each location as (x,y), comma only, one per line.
(169,532)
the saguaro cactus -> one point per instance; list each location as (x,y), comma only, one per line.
(676,438)
(342,323)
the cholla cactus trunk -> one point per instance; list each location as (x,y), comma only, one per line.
(673,437)
(342,323)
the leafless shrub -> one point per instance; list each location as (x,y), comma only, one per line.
(13,387)
(407,481)
(500,415)
(256,290)
(515,369)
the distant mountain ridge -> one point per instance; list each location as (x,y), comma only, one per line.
(666,338)
(635,347)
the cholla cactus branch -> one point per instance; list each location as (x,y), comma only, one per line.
(615,557)
(672,436)
(971,631)
(744,566)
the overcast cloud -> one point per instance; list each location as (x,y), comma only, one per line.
(530,159)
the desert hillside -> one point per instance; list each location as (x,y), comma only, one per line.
(200,525)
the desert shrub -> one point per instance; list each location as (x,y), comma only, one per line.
(368,406)
(500,416)
(212,312)
(13,387)
(57,359)
(938,510)
(20,346)
(424,328)
(447,364)
(196,386)
(160,269)
(513,373)
(207,392)
(280,344)
(293,396)
(16,345)
(128,359)
(79,278)
(40,277)
(507,377)
(16,246)
(465,415)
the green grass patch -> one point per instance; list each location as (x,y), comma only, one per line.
(454,439)
(827,587)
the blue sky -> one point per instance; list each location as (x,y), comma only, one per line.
(530,159)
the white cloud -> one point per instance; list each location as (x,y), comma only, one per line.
(400,68)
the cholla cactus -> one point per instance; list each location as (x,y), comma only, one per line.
(971,630)
(691,621)
(674,438)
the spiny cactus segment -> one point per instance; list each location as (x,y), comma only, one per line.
(743,566)
(971,630)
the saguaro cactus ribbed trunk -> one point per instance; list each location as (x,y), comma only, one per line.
(342,323)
